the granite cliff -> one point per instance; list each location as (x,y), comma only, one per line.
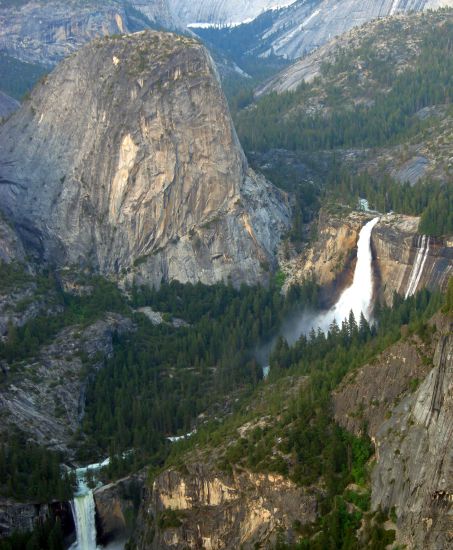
(404,400)
(205,508)
(125,159)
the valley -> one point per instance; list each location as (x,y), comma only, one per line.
(226,275)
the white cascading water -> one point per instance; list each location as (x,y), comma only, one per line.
(358,297)
(419,264)
(84,510)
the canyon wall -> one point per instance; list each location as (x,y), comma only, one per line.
(201,507)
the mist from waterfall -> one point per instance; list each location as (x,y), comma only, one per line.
(357,297)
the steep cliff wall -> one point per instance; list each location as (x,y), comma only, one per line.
(204,508)
(331,253)
(117,506)
(414,469)
(400,252)
(125,160)
(404,400)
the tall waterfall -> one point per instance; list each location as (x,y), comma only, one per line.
(419,264)
(358,297)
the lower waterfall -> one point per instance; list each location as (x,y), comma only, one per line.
(419,264)
(84,509)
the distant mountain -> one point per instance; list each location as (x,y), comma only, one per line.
(223,12)
(307,24)
(45,32)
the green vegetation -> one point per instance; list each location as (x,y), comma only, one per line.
(31,472)
(161,377)
(300,439)
(25,341)
(364,98)
(386,119)
(48,536)
(13,276)
(19,77)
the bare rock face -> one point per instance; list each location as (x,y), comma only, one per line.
(414,469)
(117,506)
(203,508)
(404,261)
(44,397)
(7,105)
(11,249)
(304,26)
(223,12)
(401,254)
(328,257)
(404,401)
(125,159)
(365,397)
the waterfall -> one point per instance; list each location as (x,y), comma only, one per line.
(358,297)
(419,264)
(83,510)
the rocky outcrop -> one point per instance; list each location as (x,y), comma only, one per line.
(20,517)
(364,398)
(400,257)
(125,159)
(329,257)
(404,401)
(414,469)
(204,508)
(44,397)
(23,517)
(45,32)
(11,248)
(117,506)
